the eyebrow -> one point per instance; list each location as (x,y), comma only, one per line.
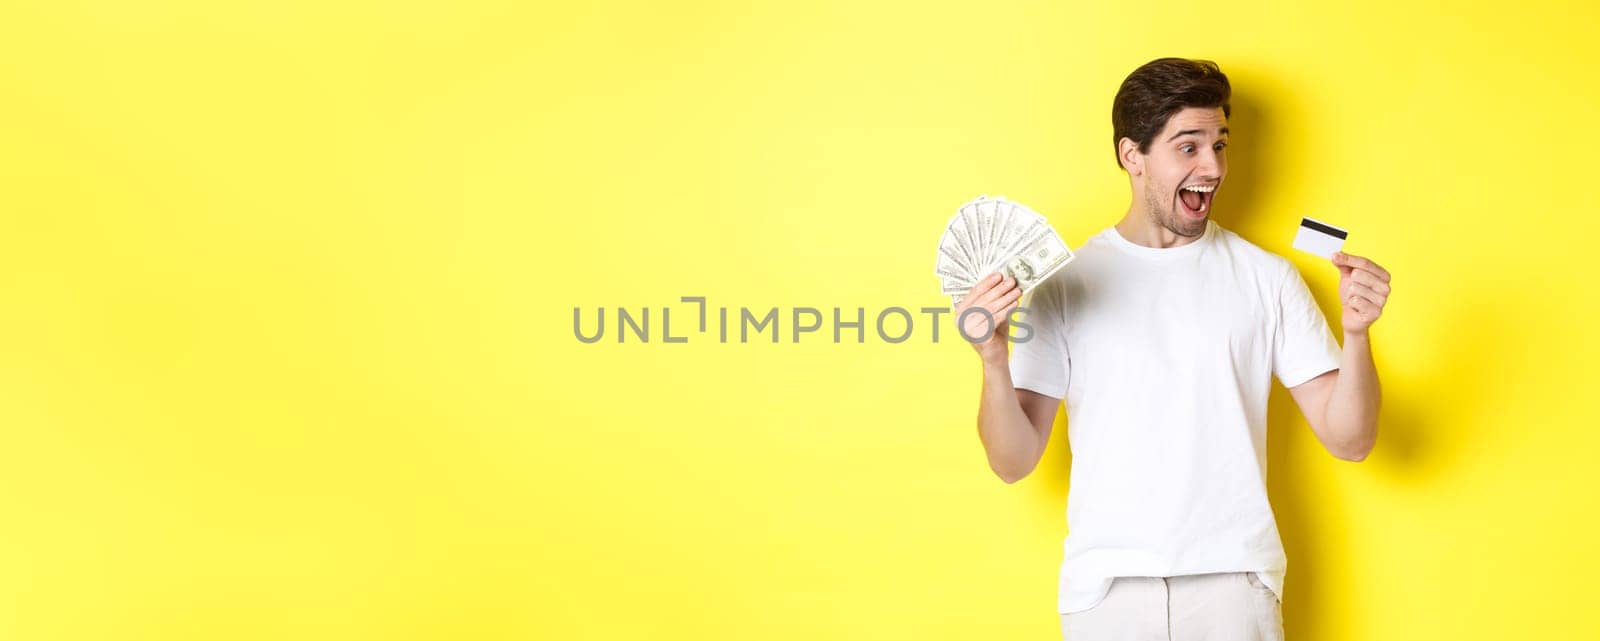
(1220,132)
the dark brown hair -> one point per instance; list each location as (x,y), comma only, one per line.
(1160,88)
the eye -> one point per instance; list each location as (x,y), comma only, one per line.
(1220,146)
(1186,148)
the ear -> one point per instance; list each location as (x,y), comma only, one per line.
(1128,153)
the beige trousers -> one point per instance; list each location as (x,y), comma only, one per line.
(1231,606)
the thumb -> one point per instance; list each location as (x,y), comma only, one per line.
(1343,263)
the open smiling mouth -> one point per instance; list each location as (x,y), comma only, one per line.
(1196,199)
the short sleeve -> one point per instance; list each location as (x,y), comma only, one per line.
(1303,346)
(1039,363)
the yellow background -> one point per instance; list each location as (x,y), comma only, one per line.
(286,346)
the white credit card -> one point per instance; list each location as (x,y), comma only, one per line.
(1319,238)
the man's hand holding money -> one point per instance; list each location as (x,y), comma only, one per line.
(997,295)
(992,252)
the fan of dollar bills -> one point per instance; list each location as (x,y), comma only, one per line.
(991,235)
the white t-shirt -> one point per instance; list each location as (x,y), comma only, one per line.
(1165,357)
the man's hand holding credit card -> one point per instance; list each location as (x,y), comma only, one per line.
(1363,284)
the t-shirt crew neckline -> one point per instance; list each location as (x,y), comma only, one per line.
(1162,252)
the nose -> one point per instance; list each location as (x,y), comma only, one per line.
(1211,165)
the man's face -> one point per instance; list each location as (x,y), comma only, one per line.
(1183,169)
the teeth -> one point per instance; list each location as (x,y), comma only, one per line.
(1199,188)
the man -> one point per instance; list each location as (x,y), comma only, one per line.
(1163,337)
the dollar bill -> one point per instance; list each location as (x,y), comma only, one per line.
(990,235)
(1046,255)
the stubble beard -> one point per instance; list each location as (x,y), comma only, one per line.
(1171,219)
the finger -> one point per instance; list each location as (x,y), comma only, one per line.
(1004,315)
(994,292)
(1372,295)
(1008,298)
(980,288)
(1360,306)
(1360,262)
(1370,280)
(1362,301)
(977,290)
(995,308)
(1339,262)
(1362,309)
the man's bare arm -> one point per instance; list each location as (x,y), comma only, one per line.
(1342,405)
(1014,424)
